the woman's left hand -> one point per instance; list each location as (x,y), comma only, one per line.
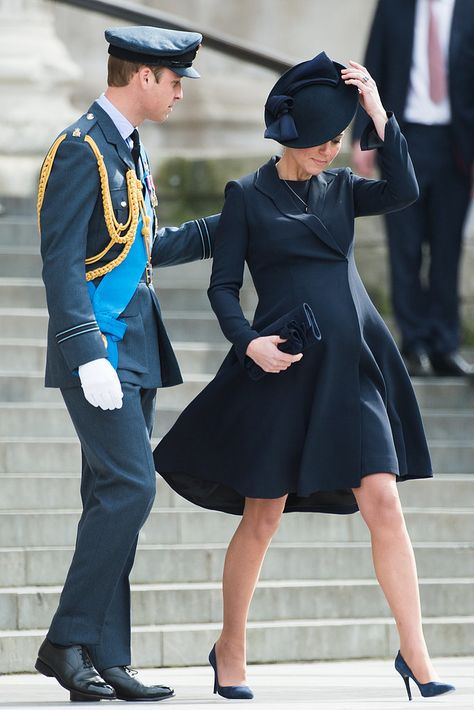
(369,97)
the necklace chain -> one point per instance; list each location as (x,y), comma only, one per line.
(296,195)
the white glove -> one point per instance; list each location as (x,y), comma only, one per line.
(101,384)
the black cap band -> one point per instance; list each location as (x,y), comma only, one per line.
(179,61)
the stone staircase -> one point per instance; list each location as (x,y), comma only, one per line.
(317,599)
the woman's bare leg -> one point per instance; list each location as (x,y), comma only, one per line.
(395,567)
(243,562)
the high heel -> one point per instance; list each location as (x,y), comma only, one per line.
(427,690)
(232,692)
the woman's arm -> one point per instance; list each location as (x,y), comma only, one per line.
(230,251)
(399,188)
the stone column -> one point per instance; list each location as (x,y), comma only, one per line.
(36,77)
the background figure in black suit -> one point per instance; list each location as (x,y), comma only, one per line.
(421,54)
(108,349)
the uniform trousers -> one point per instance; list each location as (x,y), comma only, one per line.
(117,489)
(425,300)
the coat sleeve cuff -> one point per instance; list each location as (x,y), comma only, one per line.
(370,139)
(206,227)
(80,344)
(242,343)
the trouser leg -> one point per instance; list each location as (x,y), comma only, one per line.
(406,233)
(449,201)
(118,490)
(114,646)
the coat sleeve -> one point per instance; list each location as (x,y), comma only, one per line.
(69,200)
(399,188)
(228,270)
(191,241)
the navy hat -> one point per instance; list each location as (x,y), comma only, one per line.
(310,104)
(155,46)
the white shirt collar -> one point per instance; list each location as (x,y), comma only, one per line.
(123,125)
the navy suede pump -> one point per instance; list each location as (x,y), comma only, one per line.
(428,690)
(232,692)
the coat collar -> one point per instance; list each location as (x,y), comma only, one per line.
(112,134)
(268,182)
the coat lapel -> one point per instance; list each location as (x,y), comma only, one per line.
(268,182)
(111,134)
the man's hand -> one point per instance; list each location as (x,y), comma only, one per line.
(363,161)
(101,384)
(265,353)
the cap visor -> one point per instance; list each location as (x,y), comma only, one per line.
(190,72)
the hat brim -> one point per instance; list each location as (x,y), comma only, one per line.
(320,111)
(189,72)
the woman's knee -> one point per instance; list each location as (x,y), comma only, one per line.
(263,516)
(379,503)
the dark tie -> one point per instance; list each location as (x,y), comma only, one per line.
(136,150)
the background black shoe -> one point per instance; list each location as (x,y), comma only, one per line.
(127,686)
(417,363)
(451,365)
(73,669)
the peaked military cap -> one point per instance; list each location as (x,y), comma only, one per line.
(155,46)
(310,104)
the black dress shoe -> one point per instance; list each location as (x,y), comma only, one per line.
(127,686)
(417,363)
(451,365)
(73,669)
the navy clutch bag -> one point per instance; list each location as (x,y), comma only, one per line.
(300,330)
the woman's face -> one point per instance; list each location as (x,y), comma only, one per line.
(317,158)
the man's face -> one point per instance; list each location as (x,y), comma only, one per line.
(160,97)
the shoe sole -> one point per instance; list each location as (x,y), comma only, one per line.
(145,700)
(44,669)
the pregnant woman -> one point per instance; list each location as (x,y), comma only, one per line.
(332,424)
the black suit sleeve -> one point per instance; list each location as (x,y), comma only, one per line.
(399,189)
(228,270)
(374,60)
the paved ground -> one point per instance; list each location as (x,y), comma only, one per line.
(358,685)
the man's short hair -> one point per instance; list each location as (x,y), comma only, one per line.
(121,71)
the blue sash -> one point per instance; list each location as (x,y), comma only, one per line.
(111,297)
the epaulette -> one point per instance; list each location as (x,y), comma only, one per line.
(81,127)
(76,131)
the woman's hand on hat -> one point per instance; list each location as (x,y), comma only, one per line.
(369,98)
(265,353)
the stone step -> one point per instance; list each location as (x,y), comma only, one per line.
(177,295)
(33,491)
(33,419)
(19,231)
(61,454)
(203,562)
(18,355)
(20,261)
(181,325)
(267,641)
(33,528)
(200,602)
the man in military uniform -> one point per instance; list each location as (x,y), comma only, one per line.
(108,350)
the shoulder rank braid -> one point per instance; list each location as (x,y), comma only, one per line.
(119,233)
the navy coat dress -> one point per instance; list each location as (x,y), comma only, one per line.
(347,409)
